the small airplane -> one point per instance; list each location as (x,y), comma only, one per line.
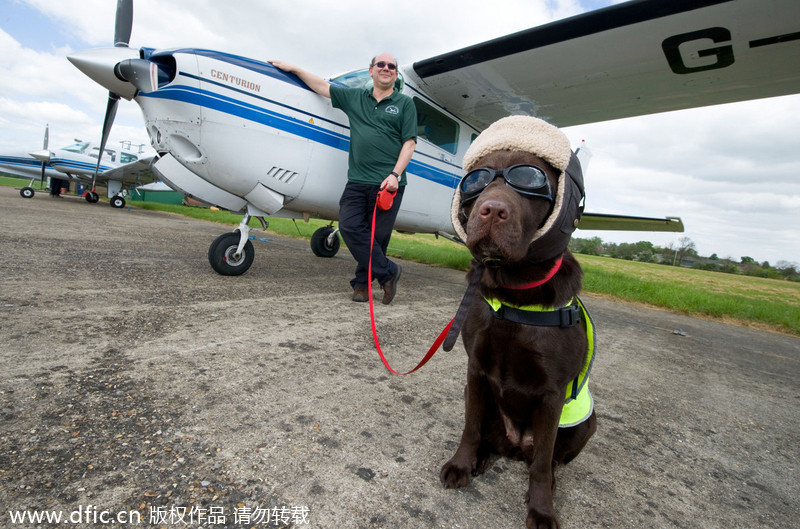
(79,162)
(242,135)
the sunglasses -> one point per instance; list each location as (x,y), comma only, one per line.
(526,180)
(382,64)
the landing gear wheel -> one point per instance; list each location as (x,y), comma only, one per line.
(320,244)
(222,255)
(117,202)
(92,197)
(26,192)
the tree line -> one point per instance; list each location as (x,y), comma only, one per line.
(684,253)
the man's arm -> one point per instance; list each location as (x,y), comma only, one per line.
(314,82)
(391,182)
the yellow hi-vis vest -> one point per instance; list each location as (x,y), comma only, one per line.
(579,404)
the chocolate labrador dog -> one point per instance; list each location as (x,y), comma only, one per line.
(525,334)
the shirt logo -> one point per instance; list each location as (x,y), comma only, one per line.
(391,109)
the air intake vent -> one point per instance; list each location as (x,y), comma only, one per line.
(282,175)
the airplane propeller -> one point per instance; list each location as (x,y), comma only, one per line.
(123,26)
(43,155)
(45,147)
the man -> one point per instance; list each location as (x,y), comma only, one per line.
(383,129)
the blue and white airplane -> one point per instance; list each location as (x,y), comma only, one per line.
(240,134)
(79,163)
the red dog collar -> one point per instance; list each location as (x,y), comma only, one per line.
(539,282)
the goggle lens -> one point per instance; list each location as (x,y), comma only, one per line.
(524,179)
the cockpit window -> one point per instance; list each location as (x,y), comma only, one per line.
(361,79)
(125,157)
(77,147)
(107,154)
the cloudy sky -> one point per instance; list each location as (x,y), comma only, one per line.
(731,172)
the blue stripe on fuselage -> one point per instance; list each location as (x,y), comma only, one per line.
(303,129)
(77,165)
(22,162)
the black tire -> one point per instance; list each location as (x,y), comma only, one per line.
(26,192)
(320,245)
(117,202)
(220,255)
(92,197)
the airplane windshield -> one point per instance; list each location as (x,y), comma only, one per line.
(361,79)
(125,157)
(77,147)
(107,154)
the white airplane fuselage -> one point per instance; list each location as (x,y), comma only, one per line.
(67,163)
(21,163)
(250,136)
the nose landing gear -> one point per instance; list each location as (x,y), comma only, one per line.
(232,253)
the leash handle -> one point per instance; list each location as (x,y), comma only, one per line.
(436,343)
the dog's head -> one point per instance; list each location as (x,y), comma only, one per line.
(522,193)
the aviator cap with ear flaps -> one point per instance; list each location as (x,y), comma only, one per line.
(535,136)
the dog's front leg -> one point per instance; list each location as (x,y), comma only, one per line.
(539,456)
(465,462)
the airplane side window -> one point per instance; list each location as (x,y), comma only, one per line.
(125,157)
(436,127)
(77,147)
(107,155)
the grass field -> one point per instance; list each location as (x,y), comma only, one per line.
(763,303)
(20,182)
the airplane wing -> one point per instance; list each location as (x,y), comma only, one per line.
(600,221)
(138,172)
(635,58)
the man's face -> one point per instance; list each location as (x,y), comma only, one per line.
(384,77)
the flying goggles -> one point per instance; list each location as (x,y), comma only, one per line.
(527,180)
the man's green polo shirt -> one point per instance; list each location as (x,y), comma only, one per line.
(378,131)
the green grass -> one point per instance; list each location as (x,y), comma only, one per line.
(755,301)
(12,181)
(764,303)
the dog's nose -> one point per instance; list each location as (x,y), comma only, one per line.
(493,210)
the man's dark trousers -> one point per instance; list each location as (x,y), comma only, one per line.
(355,225)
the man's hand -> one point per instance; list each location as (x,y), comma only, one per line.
(285,66)
(313,81)
(390,183)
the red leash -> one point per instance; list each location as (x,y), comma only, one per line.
(439,339)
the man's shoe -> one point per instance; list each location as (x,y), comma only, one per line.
(360,294)
(390,287)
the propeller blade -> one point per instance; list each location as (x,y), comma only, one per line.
(45,147)
(123,23)
(111,113)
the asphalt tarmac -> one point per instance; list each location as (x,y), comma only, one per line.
(136,380)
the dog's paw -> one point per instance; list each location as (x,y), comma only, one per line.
(455,475)
(540,520)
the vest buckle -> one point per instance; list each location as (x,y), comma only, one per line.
(570,316)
